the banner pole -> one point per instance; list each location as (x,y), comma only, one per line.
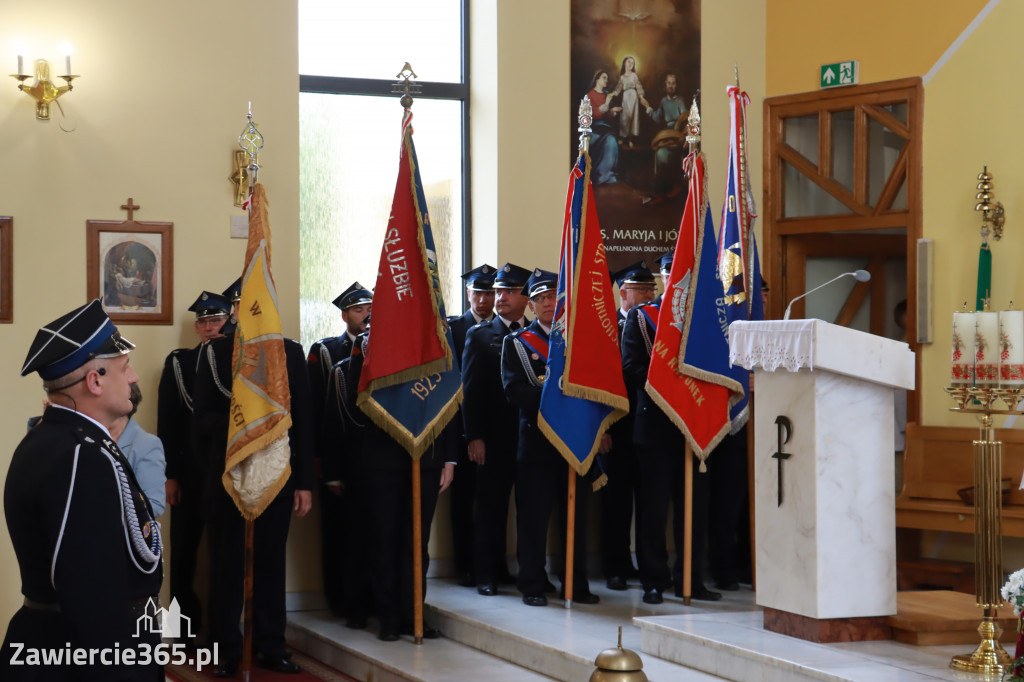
(570,537)
(417,555)
(687,524)
(247,596)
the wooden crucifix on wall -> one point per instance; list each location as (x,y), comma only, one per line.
(131,268)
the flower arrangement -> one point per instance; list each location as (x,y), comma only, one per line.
(1013,593)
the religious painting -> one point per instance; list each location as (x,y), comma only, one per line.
(639,63)
(6,272)
(130,269)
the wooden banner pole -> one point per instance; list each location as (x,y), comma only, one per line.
(687,524)
(250,526)
(570,537)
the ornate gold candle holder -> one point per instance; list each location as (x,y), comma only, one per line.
(989,657)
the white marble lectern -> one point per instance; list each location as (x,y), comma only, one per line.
(828,551)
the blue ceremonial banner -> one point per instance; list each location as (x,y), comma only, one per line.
(583,392)
(409,385)
(739,269)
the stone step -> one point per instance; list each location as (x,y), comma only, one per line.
(359,654)
(553,641)
(735,646)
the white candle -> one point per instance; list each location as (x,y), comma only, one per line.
(964,328)
(67,64)
(20,65)
(986,359)
(1011,348)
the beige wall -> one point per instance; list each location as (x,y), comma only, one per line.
(160,104)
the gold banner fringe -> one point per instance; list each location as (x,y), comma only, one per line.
(414,445)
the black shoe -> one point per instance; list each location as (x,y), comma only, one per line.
(727,585)
(388,635)
(467,580)
(653,596)
(428,632)
(487,589)
(616,582)
(585,598)
(704,594)
(225,670)
(549,587)
(279,664)
(356,622)
(535,600)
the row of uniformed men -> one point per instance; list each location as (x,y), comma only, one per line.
(503,357)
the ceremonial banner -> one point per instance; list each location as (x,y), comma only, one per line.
(738,267)
(256,466)
(584,392)
(689,373)
(408,386)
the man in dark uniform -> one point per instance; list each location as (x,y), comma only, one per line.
(492,426)
(378,471)
(480,292)
(355,305)
(636,286)
(660,447)
(541,471)
(88,547)
(226,527)
(186,469)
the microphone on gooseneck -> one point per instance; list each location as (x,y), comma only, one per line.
(859,275)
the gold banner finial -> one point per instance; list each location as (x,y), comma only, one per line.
(405,87)
(693,125)
(585,117)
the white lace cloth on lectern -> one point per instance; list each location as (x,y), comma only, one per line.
(772,344)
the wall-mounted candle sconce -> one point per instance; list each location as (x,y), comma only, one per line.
(43,91)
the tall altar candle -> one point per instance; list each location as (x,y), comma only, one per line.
(964,328)
(986,357)
(1011,348)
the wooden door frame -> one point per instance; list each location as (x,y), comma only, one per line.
(866,101)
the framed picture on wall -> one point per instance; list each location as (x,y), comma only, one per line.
(131,269)
(6,263)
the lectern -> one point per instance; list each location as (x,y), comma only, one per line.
(824,474)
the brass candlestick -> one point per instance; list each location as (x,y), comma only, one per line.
(989,657)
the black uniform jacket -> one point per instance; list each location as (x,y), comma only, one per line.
(651,425)
(523,367)
(72,504)
(323,355)
(174,415)
(485,411)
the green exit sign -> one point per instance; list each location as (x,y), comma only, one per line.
(840,73)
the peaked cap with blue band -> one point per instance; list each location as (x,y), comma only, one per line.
(511,276)
(70,341)
(636,273)
(210,304)
(480,278)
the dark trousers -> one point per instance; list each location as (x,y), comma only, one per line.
(226,532)
(389,527)
(662,480)
(494,480)
(353,540)
(617,510)
(539,487)
(332,522)
(187,524)
(463,491)
(728,546)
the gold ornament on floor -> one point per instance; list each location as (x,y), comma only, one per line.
(618,665)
